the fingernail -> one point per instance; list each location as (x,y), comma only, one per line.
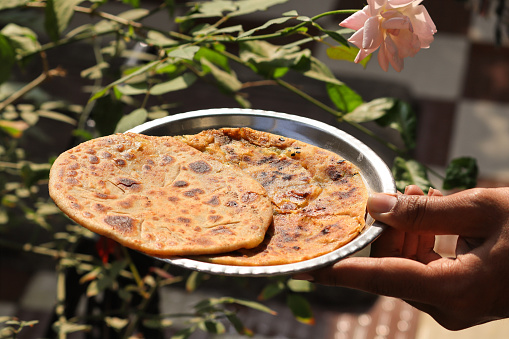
(380,203)
(303,276)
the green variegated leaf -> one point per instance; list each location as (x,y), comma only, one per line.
(184,81)
(319,71)
(300,285)
(184,52)
(370,111)
(271,60)
(160,39)
(227,80)
(133,119)
(461,173)
(410,172)
(22,39)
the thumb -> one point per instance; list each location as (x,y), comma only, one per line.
(462,213)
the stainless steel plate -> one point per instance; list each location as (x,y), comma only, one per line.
(375,172)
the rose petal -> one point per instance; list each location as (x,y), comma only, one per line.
(372,34)
(397,23)
(392,54)
(400,3)
(356,21)
(382,58)
(357,38)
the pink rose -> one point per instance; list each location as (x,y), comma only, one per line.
(399,27)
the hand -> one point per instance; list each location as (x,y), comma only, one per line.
(458,292)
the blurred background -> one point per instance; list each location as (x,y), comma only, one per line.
(459,89)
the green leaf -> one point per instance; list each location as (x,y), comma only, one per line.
(157,323)
(159,39)
(106,113)
(58,13)
(344,98)
(132,89)
(5,4)
(370,111)
(237,324)
(336,35)
(402,118)
(184,81)
(133,72)
(116,323)
(300,308)
(95,72)
(461,173)
(134,14)
(211,326)
(346,53)
(268,59)
(319,71)
(269,23)
(410,172)
(133,119)
(271,290)
(300,285)
(220,8)
(214,57)
(133,3)
(226,80)
(193,281)
(22,39)
(7,58)
(184,52)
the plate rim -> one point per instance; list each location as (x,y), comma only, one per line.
(367,236)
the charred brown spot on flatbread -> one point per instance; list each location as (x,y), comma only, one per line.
(122,223)
(200,166)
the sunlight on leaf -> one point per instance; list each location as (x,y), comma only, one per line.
(133,119)
(346,53)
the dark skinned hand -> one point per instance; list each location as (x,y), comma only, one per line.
(458,292)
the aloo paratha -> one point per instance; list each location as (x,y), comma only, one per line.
(318,198)
(160,196)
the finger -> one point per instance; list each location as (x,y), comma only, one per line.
(461,213)
(389,244)
(395,277)
(433,192)
(413,190)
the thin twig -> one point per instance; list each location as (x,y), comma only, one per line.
(32,85)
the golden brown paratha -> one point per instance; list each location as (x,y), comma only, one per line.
(319,199)
(160,196)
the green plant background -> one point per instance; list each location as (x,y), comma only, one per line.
(129,73)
